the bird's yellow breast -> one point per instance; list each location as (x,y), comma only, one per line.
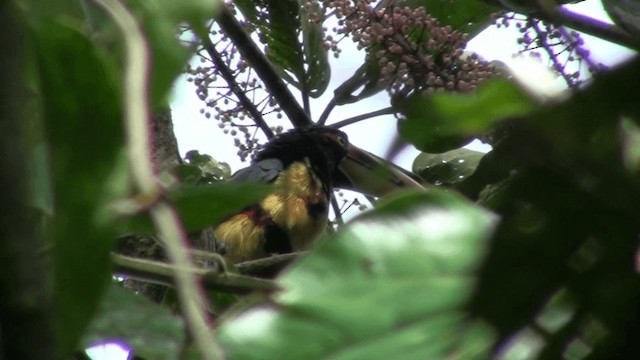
(297,190)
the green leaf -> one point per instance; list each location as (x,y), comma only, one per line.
(467,16)
(282,24)
(438,122)
(204,205)
(318,71)
(280,31)
(82,115)
(447,168)
(394,282)
(150,330)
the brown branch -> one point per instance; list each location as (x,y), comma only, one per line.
(158,272)
(228,76)
(250,52)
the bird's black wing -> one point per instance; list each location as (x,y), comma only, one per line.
(265,171)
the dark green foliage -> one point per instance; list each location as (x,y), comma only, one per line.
(345,300)
(151,330)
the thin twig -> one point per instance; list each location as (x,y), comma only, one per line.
(274,83)
(166,221)
(327,111)
(355,119)
(336,211)
(162,273)
(228,76)
(542,38)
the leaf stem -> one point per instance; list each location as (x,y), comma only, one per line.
(327,111)
(355,119)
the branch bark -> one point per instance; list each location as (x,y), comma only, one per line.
(275,85)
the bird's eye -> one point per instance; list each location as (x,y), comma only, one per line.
(342,141)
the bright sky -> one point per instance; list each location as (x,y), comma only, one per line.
(194,131)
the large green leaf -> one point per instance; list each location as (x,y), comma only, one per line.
(560,182)
(447,168)
(392,284)
(151,331)
(200,206)
(318,71)
(294,43)
(82,115)
(442,121)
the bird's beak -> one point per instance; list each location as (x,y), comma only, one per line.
(367,173)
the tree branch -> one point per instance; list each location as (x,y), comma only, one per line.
(591,26)
(355,119)
(588,25)
(327,110)
(166,221)
(162,273)
(275,85)
(228,76)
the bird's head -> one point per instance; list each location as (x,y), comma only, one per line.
(337,162)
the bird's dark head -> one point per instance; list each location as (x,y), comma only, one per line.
(324,148)
(337,162)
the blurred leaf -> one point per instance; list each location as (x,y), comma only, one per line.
(151,330)
(40,180)
(494,166)
(318,71)
(441,121)
(201,206)
(624,13)
(447,168)
(202,169)
(393,282)
(188,174)
(630,134)
(160,21)
(80,95)
(467,16)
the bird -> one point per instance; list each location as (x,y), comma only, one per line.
(304,165)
